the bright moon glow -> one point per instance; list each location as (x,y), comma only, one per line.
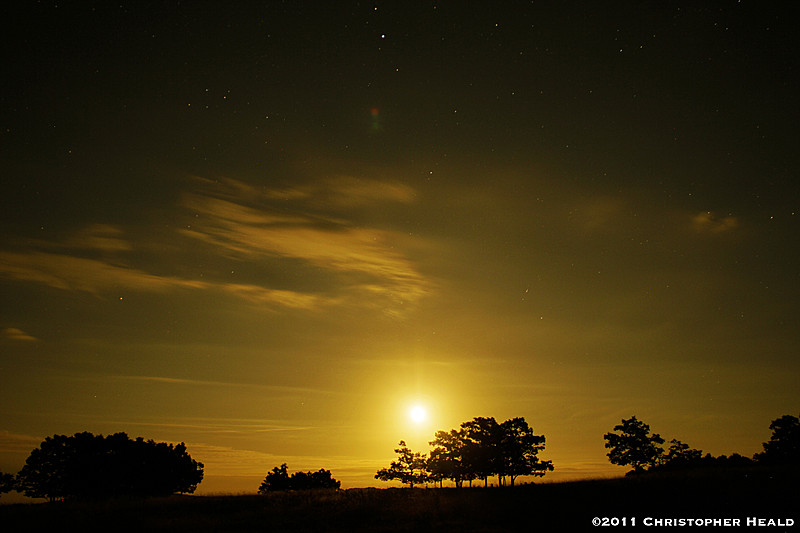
(418,414)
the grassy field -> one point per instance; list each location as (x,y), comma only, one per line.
(735,494)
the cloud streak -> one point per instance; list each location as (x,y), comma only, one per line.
(17,334)
(17,444)
(365,258)
(354,265)
(101,237)
(95,276)
(102,278)
(205,383)
(710,224)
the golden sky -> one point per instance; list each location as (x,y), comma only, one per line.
(269,231)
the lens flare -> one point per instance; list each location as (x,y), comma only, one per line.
(375,113)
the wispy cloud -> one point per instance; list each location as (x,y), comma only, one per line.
(327,193)
(355,265)
(102,237)
(709,223)
(236,219)
(95,276)
(349,192)
(262,295)
(17,334)
(17,444)
(102,278)
(219,426)
(198,382)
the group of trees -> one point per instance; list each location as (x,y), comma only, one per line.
(632,444)
(279,479)
(480,448)
(93,466)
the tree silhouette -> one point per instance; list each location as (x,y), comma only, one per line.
(321,479)
(409,468)
(634,445)
(89,466)
(680,455)
(276,480)
(508,449)
(784,443)
(482,438)
(279,479)
(518,449)
(734,460)
(479,449)
(447,459)
(8,482)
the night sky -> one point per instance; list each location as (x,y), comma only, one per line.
(270,229)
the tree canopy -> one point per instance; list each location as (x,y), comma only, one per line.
(278,479)
(447,459)
(634,445)
(783,445)
(481,448)
(7,482)
(518,451)
(93,466)
(410,468)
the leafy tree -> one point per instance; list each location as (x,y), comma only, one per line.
(276,480)
(680,455)
(321,479)
(518,451)
(409,468)
(508,449)
(436,473)
(8,482)
(279,479)
(89,466)
(481,450)
(784,443)
(447,459)
(634,445)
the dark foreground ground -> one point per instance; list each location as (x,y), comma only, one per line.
(762,494)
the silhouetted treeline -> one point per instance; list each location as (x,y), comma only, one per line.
(783,446)
(632,444)
(93,466)
(279,479)
(8,482)
(480,448)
